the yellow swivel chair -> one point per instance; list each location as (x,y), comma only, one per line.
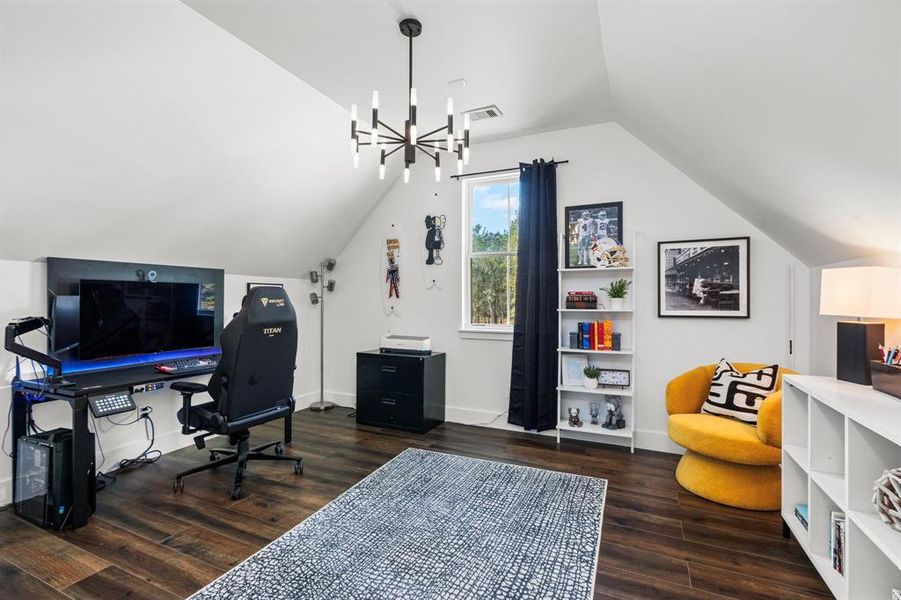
(726,461)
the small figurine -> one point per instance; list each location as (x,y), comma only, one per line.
(574,420)
(594,411)
(615,418)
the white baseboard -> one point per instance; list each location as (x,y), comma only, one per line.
(648,439)
(644,438)
(106,461)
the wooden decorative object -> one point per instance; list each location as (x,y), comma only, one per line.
(887,497)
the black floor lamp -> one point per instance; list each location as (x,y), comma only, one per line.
(319,298)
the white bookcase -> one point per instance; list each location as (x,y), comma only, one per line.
(623,323)
(837,439)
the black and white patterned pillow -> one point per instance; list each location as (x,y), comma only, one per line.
(739,395)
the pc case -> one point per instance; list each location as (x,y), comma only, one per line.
(43,486)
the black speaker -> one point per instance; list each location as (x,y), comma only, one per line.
(857,344)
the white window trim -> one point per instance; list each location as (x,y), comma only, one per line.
(469,330)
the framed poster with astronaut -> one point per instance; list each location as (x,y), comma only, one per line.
(591,229)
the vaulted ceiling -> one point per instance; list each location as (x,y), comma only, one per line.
(224,121)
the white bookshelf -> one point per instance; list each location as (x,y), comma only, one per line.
(624,324)
(838,438)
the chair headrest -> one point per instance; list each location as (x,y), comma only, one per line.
(268,305)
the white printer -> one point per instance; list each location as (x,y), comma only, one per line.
(405,344)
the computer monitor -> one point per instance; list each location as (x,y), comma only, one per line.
(128,318)
(108,315)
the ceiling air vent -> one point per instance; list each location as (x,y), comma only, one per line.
(485,112)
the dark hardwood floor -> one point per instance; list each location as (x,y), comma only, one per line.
(145,541)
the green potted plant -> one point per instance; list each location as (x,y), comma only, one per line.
(590,377)
(617,291)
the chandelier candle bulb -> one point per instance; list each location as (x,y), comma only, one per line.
(459,159)
(356,160)
(437,167)
(382,171)
(407,173)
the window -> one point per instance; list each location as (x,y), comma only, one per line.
(491,234)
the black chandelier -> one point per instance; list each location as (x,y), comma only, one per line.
(408,141)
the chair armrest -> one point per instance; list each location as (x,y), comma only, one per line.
(187,389)
(769,420)
(686,393)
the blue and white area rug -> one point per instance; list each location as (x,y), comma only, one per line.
(434,525)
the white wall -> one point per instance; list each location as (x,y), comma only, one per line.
(823,328)
(144,117)
(23,292)
(606,164)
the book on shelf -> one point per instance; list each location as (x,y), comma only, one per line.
(582,300)
(801,514)
(596,335)
(837,528)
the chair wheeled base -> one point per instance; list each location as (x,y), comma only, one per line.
(240,455)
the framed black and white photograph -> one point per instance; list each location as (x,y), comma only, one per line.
(592,229)
(704,278)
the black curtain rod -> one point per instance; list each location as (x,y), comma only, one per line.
(559,162)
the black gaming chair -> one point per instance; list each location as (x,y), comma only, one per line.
(253,384)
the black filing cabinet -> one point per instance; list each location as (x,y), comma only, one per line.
(403,391)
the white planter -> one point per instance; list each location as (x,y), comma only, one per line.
(588,383)
(617,303)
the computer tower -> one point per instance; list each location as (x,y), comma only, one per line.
(43,485)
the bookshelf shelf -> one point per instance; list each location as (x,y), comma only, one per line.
(623,323)
(600,391)
(593,310)
(838,439)
(580,351)
(596,271)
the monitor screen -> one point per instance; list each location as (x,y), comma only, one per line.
(125,318)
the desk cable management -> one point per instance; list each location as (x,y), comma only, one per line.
(148,456)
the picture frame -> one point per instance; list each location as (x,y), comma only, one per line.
(572,366)
(253,284)
(589,230)
(704,278)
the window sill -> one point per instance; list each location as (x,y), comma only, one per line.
(497,335)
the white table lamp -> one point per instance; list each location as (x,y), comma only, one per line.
(861,292)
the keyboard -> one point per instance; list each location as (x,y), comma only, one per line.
(111,404)
(187,365)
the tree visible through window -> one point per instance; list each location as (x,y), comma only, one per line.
(492,211)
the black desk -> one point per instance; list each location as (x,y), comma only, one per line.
(76,395)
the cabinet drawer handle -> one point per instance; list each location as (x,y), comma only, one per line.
(389,401)
(389,369)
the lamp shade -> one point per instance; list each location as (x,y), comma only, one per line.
(869,292)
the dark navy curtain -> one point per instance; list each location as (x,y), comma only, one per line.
(533,380)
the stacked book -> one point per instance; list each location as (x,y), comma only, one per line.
(581,300)
(801,514)
(597,335)
(837,528)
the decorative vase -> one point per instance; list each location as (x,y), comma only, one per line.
(589,383)
(617,303)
